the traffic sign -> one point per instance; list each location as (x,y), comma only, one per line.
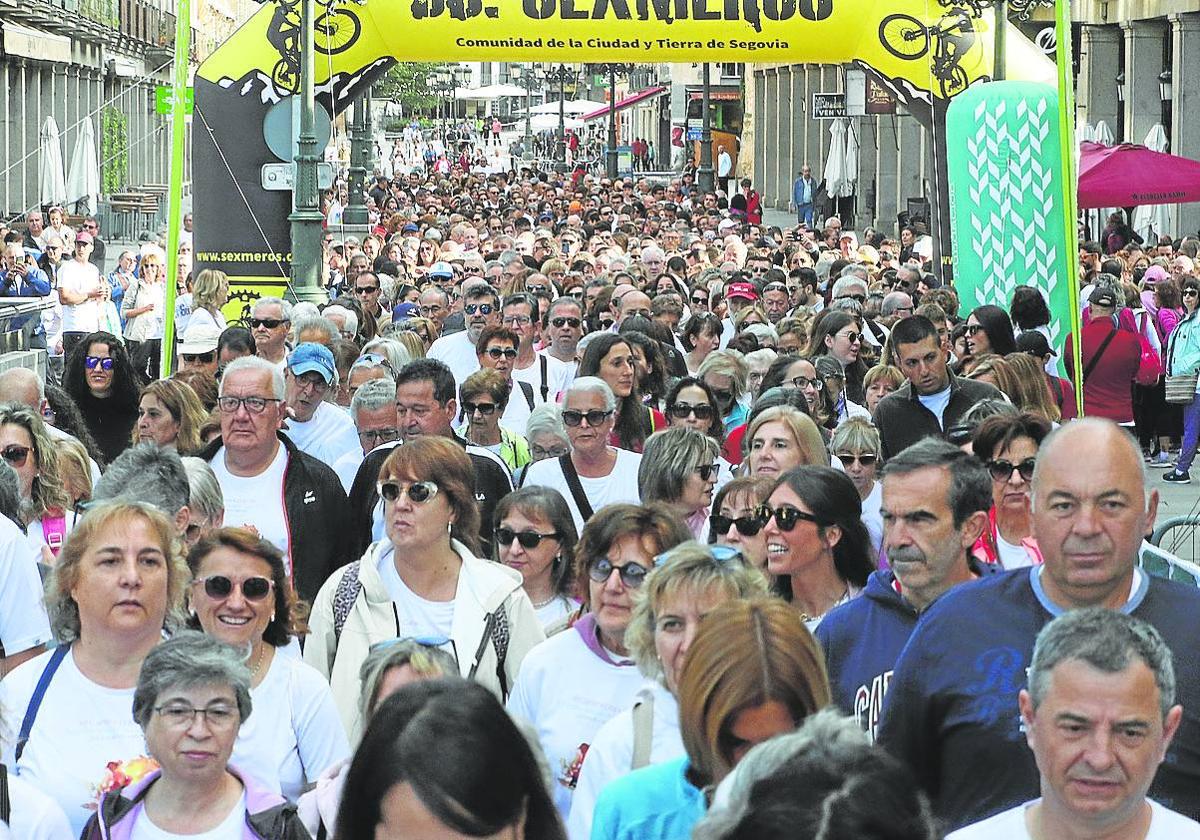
(282,176)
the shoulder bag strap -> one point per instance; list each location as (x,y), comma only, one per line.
(643,729)
(5,804)
(527,390)
(581,499)
(1099,352)
(344,597)
(35,702)
(542,363)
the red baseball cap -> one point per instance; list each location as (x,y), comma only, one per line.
(742,290)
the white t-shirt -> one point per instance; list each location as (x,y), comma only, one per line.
(1165,824)
(621,485)
(294,732)
(458,353)
(327,436)
(23,620)
(568,692)
(233,827)
(347,466)
(1012,556)
(872,516)
(80,728)
(555,611)
(937,404)
(422,618)
(83,279)
(568,373)
(35,816)
(257,500)
(558,377)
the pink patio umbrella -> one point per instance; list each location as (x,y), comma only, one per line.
(1129,176)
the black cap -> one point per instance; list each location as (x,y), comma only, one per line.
(1034,343)
(1103,297)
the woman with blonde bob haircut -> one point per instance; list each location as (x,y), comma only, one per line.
(210,291)
(170,414)
(780,438)
(687,583)
(424,579)
(117,586)
(752,672)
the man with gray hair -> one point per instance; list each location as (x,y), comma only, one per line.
(481,308)
(289,497)
(896,304)
(152,475)
(951,709)
(373,410)
(270,321)
(344,319)
(935,506)
(1099,715)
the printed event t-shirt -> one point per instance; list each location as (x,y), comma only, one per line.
(257,500)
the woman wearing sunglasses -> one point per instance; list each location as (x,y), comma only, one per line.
(817,545)
(142,305)
(536,536)
(856,445)
(691,404)
(687,583)
(100,378)
(240,593)
(423,579)
(679,468)
(735,519)
(27,447)
(578,679)
(483,396)
(989,330)
(838,334)
(1008,446)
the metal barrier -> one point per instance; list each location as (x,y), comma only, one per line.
(1177,535)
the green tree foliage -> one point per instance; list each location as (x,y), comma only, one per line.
(409,84)
(114,150)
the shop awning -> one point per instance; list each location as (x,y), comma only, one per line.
(632,99)
(35,43)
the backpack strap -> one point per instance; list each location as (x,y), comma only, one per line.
(39,693)
(576,488)
(542,363)
(643,728)
(344,597)
(54,529)
(5,803)
(527,390)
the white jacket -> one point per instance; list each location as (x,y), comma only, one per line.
(483,586)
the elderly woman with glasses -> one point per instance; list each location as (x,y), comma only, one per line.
(483,397)
(424,579)
(687,583)
(1007,445)
(117,585)
(241,594)
(679,468)
(569,686)
(46,509)
(192,698)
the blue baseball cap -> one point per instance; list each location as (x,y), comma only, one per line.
(311,356)
(406,310)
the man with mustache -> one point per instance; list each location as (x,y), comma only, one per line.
(935,506)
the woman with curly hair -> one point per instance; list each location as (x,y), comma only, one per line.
(26,446)
(100,378)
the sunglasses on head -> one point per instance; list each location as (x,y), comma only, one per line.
(747,526)
(1003,470)
(221,587)
(15,454)
(632,575)
(90,362)
(867,459)
(418,491)
(723,555)
(681,411)
(269,323)
(785,517)
(527,539)
(960,433)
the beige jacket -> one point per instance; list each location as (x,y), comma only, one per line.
(483,586)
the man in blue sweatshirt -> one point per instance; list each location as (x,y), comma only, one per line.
(935,506)
(951,712)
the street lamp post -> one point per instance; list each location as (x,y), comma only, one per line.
(704,174)
(306,215)
(356,210)
(529,79)
(561,75)
(612,69)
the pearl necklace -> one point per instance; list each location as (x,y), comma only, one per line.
(546,603)
(258,661)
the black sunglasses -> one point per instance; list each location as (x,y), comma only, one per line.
(486,409)
(681,411)
(220,587)
(418,491)
(960,433)
(561,322)
(594,417)
(527,539)
(867,459)
(15,454)
(502,352)
(269,323)
(1003,470)
(633,575)
(747,526)
(707,471)
(202,358)
(785,517)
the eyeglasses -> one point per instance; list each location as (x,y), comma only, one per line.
(182,715)
(803,382)
(594,417)
(681,411)
(519,320)
(974,329)
(707,471)
(15,454)
(481,308)
(366,290)
(486,409)
(418,491)
(254,405)
(90,362)
(852,337)
(785,517)
(632,575)
(201,358)
(723,555)
(269,323)
(573,323)
(540,453)
(501,352)
(867,459)
(1003,470)
(220,587)
(374,437)
(527,539)
(747,526)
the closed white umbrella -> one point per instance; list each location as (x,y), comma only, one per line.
(1153,219)
(52,183)
(849,163)
(1102,134)
(83,180)
(836,160)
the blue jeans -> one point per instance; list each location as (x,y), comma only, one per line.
(1191,435)
(804,214)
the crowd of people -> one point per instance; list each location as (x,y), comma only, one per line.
(596,510)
